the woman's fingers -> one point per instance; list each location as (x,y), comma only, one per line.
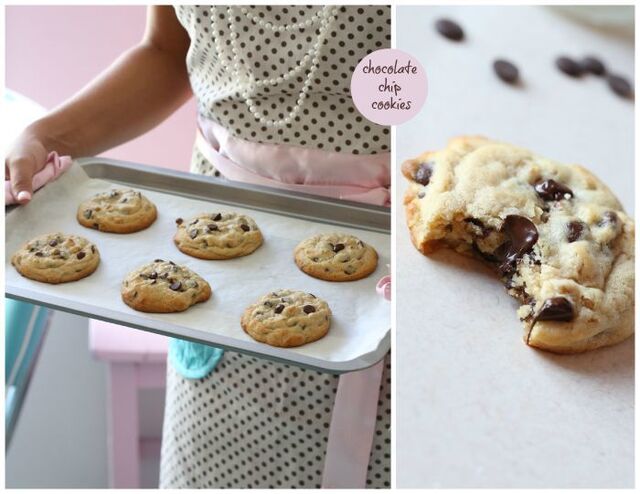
(21,172)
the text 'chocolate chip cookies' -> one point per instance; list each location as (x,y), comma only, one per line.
(287,318)
(218,235)
(56,258)
(336,257)
(163,286)
(117,211)
(557,236)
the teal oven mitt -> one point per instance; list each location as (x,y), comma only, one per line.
(193,360)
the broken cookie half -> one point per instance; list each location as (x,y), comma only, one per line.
(556,235)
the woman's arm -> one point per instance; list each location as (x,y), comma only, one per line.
(142,88)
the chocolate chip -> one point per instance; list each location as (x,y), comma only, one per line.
(87,213)
(593,66)
(124,199)
(420,194)
(550,190)
(216,217)
(423,174)
(556,309)
(608,218)
(193,233)
(245,228)
(309,309)
(80,255)
(114,193)
(53,243)
(621,86)
(175,286)
(338,247)
(153,275)
(38,254)
(450,29)
(179,221)
(158,260)
(313,295)
(279,308)
(522,235)
(506,71)
(569,66)
(574,230)
(172,263)
(93,249)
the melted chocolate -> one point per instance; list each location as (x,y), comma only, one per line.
(550,190)
(521,235)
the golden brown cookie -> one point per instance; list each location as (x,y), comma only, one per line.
(117,211)
(336,257)
(56,258)
(218,235)
(555,234)
(163,286)
(287,318)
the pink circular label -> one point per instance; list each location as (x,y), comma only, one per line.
(389,87)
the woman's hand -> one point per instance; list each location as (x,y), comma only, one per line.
(27,156)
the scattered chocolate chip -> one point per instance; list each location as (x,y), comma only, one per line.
(550,190)
(158,260)
(175,286)
(172,263)
(279,308)
(593,65)
(93,249)
(574,230)
(619,85)
(522,235)
(179,221)
(506,71)
(449,29)
(420,194)
(80,255)
(124,199)
(216,217)
(245,228)
(153,275)
(87,213)
(268,304)
(337,248)
(193,233)
(309,309)
(212,228)
(556,309)
(313,295)
(423,174)
(569,66)
(114,193)
(38,254)
(96,226)
(164,276)
(53,243)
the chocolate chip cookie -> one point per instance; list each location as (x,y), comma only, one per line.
(218,235)
(336,257)
(56,258)
(117,211)
(287,318)
(163,286)
(556,235)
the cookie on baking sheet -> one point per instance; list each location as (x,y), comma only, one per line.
(217,235)
(56,258)
(163,286)
(336,257)
(117,211)
(555,234)
(287,318)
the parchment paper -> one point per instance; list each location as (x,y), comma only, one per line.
(361,318)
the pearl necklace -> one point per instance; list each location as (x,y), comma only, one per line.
(248,83)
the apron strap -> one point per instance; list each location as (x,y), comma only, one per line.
(353,424)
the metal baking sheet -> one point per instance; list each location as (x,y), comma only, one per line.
(301,211)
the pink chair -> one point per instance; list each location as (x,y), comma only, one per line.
(137,361)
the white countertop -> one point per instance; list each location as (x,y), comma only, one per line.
(476,407)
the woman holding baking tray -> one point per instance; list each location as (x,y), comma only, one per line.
(300,59)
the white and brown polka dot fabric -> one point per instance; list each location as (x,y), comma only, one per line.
(328,119)
(258,424)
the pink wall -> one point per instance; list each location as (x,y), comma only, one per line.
(51,52)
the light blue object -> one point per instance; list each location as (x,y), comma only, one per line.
(193,360)
(25,328)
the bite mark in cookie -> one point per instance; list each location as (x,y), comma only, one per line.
(556,235)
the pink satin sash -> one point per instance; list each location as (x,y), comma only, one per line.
(337,175)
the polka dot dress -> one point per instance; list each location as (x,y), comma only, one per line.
(258,424)
(253,423)
(328,119)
